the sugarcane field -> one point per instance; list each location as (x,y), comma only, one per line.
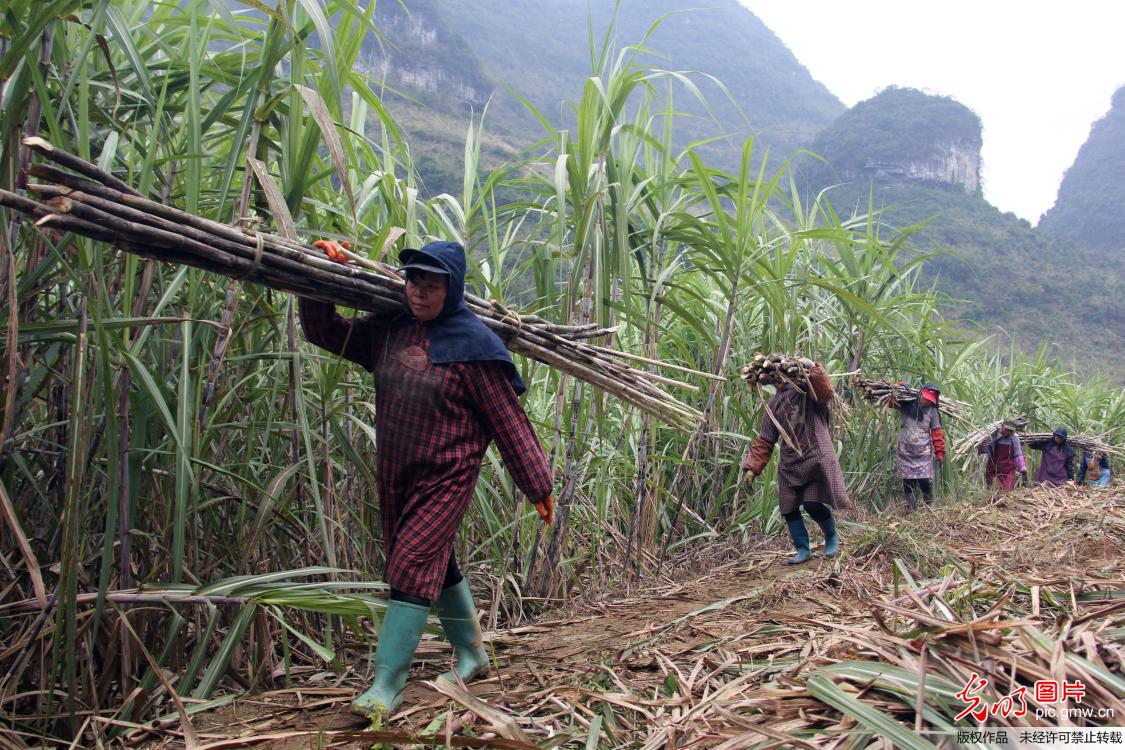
(336,415)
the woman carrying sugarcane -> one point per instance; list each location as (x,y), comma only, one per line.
(1005,456)
(808,472)
(445,387)
(921,441)
(1057,465)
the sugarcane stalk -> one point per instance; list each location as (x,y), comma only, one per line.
(777,369)
(970,442)
(77,163)
(97,205)
(650,361)
(1089,443)
(213,248)
(142,211)
(883,393)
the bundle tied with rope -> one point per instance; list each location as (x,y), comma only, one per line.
(968,444)
(1080,442)
(777,369)
(885,393)
(86,200)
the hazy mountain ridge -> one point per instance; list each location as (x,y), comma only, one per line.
(541,50)
(1088,209)
(783,103)
(920,154)
(1006,274)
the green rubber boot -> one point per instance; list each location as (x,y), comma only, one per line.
(398,638)
(458,617)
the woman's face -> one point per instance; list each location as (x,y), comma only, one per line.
(425,294)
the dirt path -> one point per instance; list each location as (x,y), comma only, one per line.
(709,658)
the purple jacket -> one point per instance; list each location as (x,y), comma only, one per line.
(1057,465)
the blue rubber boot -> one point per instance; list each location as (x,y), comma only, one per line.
(827,524)
(800,536)
(398,638)
(458,617)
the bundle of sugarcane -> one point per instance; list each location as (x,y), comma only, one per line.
(969,442)
(777,369)
(1088,443)
(89,201)
(884,393)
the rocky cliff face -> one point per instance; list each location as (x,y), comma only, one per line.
(903,136)
(958,165)
(431,79)
(422,58)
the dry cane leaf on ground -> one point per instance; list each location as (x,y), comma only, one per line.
(750,653)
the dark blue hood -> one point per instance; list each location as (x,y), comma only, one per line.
(1067,448)
(458,335)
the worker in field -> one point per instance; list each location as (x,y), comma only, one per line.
(1005,456)
(445,387)
(1056,467)
(921,442)
(1094,469)
(808,472)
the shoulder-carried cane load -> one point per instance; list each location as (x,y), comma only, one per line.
(86,200)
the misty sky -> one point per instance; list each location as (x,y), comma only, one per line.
(1038,73)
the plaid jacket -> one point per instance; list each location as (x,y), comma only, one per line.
(811,474)
(433,424)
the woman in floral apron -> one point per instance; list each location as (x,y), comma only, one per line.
(920,439)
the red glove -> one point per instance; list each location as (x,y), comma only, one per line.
(937,435)
(819,383)
(546,509)
(758,456)
(334,250)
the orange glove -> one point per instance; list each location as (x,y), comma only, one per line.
(937,436)
(546,509)
(334,250)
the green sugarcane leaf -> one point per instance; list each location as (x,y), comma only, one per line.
(823,689)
